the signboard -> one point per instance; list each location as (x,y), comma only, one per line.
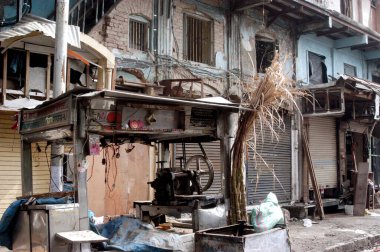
(52,116)
(203,118)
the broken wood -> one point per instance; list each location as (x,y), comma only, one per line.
(313,178)
(360,196)
(46,195)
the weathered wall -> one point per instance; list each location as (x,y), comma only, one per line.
(126,181)
(113,30)
(250,26)
(335,58)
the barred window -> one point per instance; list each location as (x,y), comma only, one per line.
(198,39)
(139,33)
(265,51)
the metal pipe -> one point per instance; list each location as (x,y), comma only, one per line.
(59,86)
(60,55)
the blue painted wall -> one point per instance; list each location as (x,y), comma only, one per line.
(335,58)
(45,8)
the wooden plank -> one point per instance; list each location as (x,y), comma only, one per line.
(360,196)
(26,174)
(48,70)
(27,74)
(313,178)
(4,86)
(68,76)
(83,236)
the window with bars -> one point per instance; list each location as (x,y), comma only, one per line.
(346,7)
(139,33)
(198,39)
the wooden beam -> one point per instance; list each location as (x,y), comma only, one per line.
(27,74)
(366,46)
(5,74)
(26,168)
(248,4)
(313,178)
(371,55)
(315,26)
(351,41)
(48,72)
(68,76)
(361,186)
(291,9)
(332,31)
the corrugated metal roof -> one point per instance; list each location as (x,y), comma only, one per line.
(31,26)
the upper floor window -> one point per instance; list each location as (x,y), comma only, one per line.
(265,51)
(346,7)
(139,33)
(317,69)
(350,70)
(198,39)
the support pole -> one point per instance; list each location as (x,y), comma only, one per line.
(59,86)
(26,168)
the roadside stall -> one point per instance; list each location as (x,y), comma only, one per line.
(90,120)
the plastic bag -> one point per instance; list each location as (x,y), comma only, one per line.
(267,214)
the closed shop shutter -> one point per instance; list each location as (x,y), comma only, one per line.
(322,144)
(212,150)
(10,163)
(275,175)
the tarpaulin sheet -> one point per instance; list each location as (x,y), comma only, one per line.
(131,234)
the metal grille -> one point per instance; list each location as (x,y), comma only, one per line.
(198,40)
(275,175)
(138,35)
(212,150)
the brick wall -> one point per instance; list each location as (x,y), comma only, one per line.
(112,31)
(180,7)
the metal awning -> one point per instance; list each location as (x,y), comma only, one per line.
(312,19)
(34,31)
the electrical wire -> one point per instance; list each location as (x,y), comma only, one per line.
(92,168)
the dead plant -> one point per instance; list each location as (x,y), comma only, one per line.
(265,97)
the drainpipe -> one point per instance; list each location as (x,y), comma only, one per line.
(59,87)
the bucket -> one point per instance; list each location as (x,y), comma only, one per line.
(349,209)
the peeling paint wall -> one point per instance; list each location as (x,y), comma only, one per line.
(250,26)
(335,58)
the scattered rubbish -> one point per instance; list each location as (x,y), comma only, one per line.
(130,234)
(307,223)
(267,214)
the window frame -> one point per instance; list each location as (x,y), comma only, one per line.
(211,60)
(265,39)
(147,34)
(349,65)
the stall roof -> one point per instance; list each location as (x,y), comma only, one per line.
(40,31)
(137,97)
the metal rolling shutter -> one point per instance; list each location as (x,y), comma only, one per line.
(322,144)
(10,164)
(212,150)
(277,155)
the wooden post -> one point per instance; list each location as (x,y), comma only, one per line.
(26,168)
(227,126)
(5,74)
(68,76)
(27,74)
(342,156)
(360,197)
(48,70)
(313,178)
(81,169)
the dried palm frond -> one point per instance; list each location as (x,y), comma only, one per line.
(265,97)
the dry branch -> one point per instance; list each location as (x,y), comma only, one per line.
(265,97)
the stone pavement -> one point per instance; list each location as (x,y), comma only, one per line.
(338,232)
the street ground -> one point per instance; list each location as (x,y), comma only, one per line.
(338,232)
